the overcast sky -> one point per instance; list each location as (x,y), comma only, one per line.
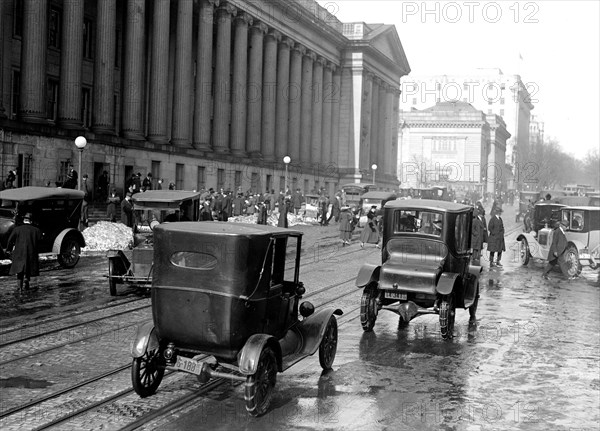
(558,41)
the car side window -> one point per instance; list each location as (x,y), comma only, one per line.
(460,234)
(576,221)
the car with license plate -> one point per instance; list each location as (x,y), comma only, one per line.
(56,211)
(425,264)
(226,303)
(151,208)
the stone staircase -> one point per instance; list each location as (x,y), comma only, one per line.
(97,212)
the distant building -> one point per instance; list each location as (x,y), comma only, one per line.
(201,93)
(454,144)
(488,90)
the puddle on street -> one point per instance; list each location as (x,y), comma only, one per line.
(23,382)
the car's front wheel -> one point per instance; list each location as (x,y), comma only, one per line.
(447,313)
(368,307)
(70,250)
(524,253)
(571,266)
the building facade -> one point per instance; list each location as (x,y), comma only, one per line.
(453,144)
(202,93)
(488,90)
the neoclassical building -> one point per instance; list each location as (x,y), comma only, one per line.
(201,93)
(454,144)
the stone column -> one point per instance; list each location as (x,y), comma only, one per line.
(327,114)
(222,100)
(182,103)
(395,129)
(133,76)
(366,164)
(240,77)
(33,61)
(254,88)
(382,115)
(159,72)
(307,105)
(2,33)
(366,120)
(386,150)
(336,97)
(317,112)
(282,104)
(295,102)
(71,64)
(203,97)
(269,88)
(104,66)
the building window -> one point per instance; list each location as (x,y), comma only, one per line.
(282,184)
(317,186)
(201,182)
(254,182)
(18,18)
(414,101)
(155,173)
(63,170)
(294,183)
(179,174)
(502,86)
(54,28)
(306,186)
(52,100)
(502,112)
(86,106)
(490,102)
(16,93)
(237,180)
(439,86)
(220,179)
(26,170)
(502,100)
(269,184)
(489,112)
(88,36)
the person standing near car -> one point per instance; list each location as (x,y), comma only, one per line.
(86,201)
(479,236)
(127,211)
(23,242)
(111,205)
(345,219)
(496,237)
(557,247)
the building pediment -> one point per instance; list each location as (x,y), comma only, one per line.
(384,38)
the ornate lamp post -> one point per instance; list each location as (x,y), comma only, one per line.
(374,167)
(80,143)
(287,161)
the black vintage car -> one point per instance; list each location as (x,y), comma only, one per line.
(425,264)
(56,211)
(226,304)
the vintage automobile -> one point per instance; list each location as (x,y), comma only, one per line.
(527,199)
(226,304)
(56,211)
(152,208)
(377,198)
(425,264)
(536,243)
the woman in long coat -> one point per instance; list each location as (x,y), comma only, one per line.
(496,237)
(370,233)
(345,225)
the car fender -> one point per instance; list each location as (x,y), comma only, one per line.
(250,353)
(145,338)
(534,247)
(446,283)
(61,236)
(367,273)
(578,244)
(313,328)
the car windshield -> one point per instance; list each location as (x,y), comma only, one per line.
(426,222)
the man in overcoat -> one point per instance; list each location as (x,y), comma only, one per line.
(557,248)
(25,260)
(479,236)
(496,237)
(127,211)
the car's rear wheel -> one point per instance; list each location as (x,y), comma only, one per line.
(524,253)
(260,385)
(328,346)
(447,313)
(146,373)
(571,266)
(70,251)
(368,308)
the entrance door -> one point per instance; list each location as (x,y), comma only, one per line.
(127,177)
(98,169)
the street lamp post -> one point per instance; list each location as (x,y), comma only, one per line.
(80,143)
(287,161)
(374,167)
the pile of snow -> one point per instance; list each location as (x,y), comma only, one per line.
(106,235)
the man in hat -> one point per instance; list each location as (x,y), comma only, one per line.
(557,247)
(23,242)
(111,208)
(479,236)
(496,237)
(127,210)
(86,200)
(147,183)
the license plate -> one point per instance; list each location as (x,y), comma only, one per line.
(396,295)
(584,256)
(188,365)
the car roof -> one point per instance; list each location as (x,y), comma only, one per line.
(378,195)
(429,204)
(164,196)
(226,228)
(31,193)
(583,207)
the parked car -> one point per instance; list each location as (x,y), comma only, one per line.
(152,208)
(56,211)
(425,264)
(377,198)
(226,303)
(583,235)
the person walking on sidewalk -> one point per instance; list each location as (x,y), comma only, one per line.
(23,242)
(345,218)
(496,237)
(557,248)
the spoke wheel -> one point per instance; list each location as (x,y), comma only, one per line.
(112,282)
(69,252)
(260,385)
(368,308)
(328,346)
(447,313)
(146,373)
(571,266)
(524,254)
